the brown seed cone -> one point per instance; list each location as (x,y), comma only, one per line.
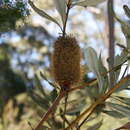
(66,61)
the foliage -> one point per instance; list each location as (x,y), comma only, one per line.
(96,66)
(10,12)
(89,100)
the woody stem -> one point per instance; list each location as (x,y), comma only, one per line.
(50,110)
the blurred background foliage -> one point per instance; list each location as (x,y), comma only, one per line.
(26,41)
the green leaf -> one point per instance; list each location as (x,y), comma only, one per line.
(119,60)
(39,85)
(53,95)
(76,110)
(114,114)
(95,126)
(124,110)
(126,29)
(103,74)
(92,59)
(42,102)
(127,10)
(44,77)
(43,14)
(44,128)
(61,8)
(124,100)
(93,91)
(96,66)
(117,72)
(85,3)
(92,62)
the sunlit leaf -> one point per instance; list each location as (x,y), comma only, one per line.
(95,126)
(124,110)
(73,113)
(61,8)
(124,100)
(114,114)
(85,3)
(76,110)
(43,14)
(42,102)
(44,128)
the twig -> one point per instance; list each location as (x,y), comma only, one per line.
(90,83)
(50,110)
(111,39)
(67,14)
(50,83)
(121,46)
(40,87)
(82,123)
(30,125)
(65,107)
(99,101)
(64,118)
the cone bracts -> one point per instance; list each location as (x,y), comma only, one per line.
(66,61)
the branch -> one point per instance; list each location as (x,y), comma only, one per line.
(111,39)
(67,14)
(50,110)
(99,101)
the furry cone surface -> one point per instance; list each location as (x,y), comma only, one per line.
(66,61)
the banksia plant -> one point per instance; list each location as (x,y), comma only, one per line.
(66,71)
(66,61)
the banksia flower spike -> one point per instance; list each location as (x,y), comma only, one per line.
(66,61)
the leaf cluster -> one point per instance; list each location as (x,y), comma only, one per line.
(115,106)
(10,12)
